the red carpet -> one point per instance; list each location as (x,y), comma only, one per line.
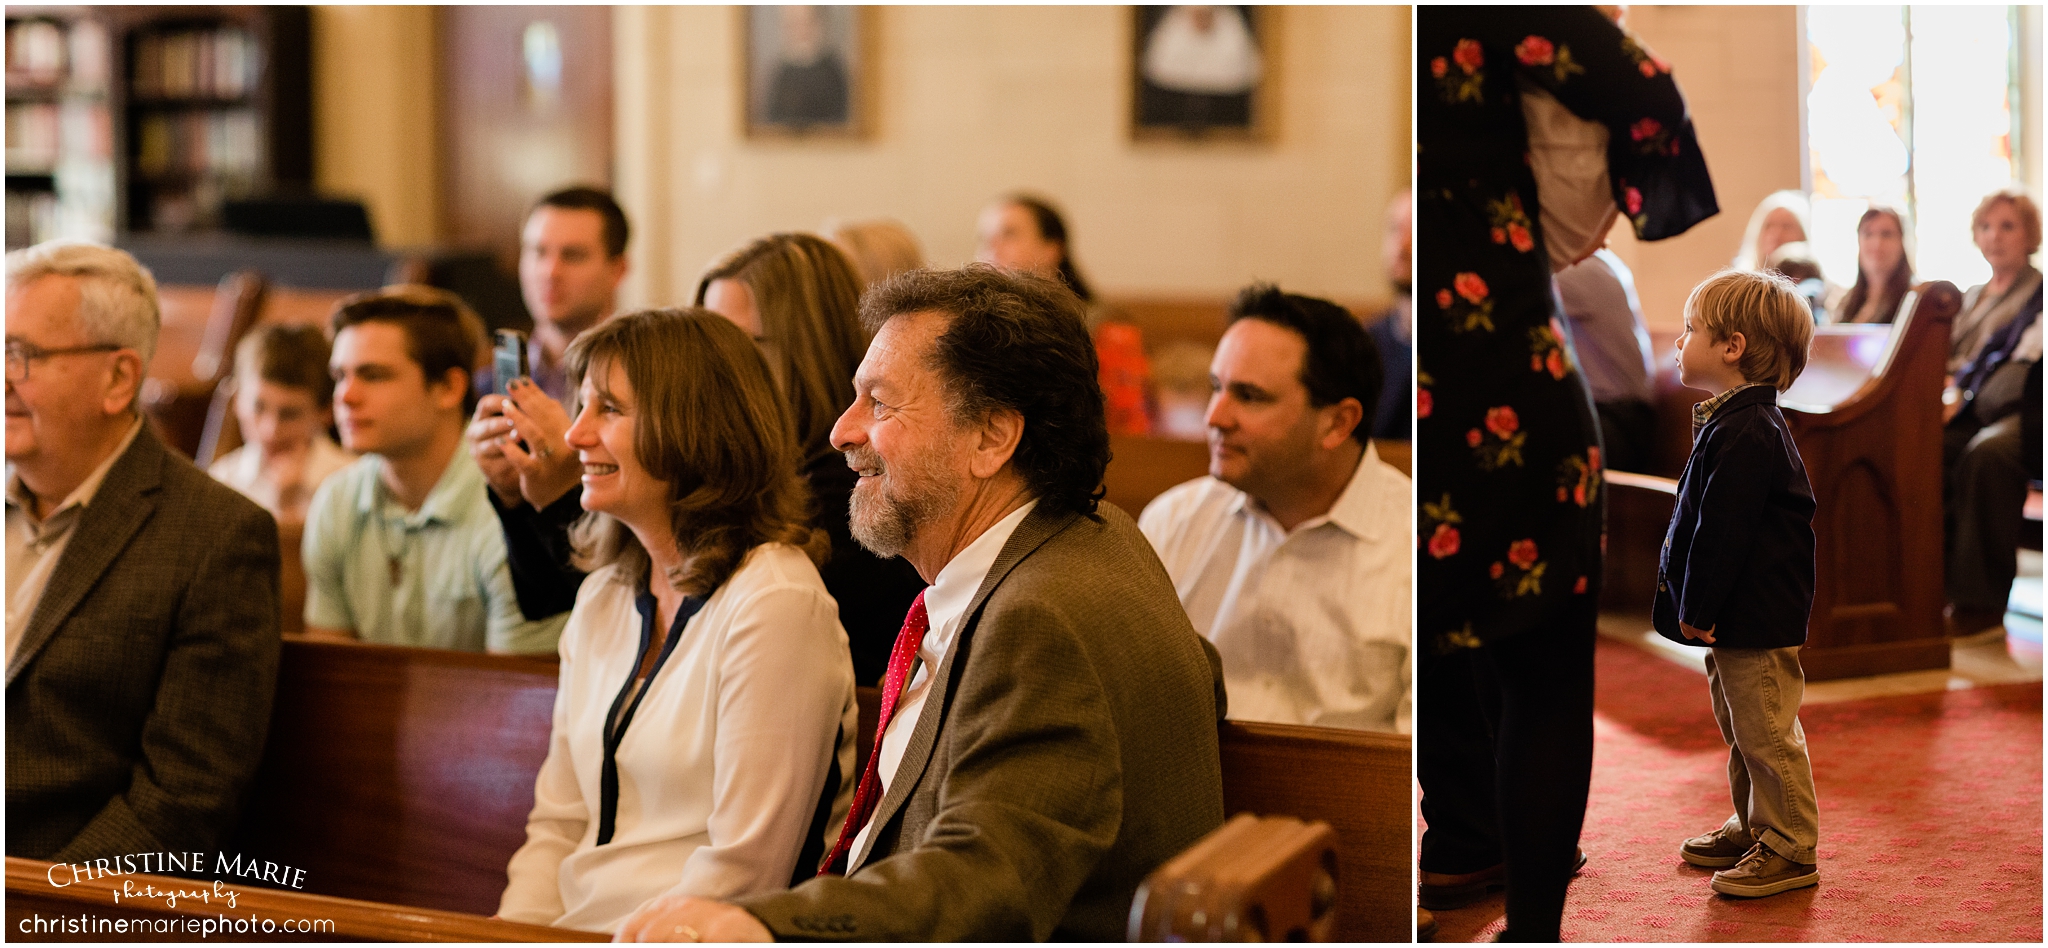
(1930,810)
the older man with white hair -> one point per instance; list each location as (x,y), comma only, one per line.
(142,596)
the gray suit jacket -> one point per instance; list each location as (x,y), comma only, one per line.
(138,699)
(1067,749)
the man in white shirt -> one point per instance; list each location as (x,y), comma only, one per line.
(1048,733)
(1292,556)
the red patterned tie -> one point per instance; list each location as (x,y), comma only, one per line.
(868,794)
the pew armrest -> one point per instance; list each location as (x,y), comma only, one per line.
(1257,878)
(29,891)
(1650,482)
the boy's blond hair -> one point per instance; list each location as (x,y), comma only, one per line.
(1774,320)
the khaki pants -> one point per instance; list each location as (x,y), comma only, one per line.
(1756,694)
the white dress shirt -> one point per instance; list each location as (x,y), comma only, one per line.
(1313,625)
(242,469)
(945,604)
(722,766)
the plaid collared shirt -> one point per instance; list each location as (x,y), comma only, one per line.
(1705,410)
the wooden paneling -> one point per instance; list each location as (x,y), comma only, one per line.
(401,775)
(506,142)
(1360,783)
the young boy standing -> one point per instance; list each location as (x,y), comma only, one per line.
(1736,574)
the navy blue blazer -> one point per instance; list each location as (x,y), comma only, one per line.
(1738,557)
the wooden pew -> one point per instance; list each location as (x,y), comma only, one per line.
(1361,784)
(1256,879)
(400,775)
(119,908)
(418,794)
(1866,415)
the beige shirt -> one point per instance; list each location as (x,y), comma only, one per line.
(34,547)
(242,469)
(945,605)
(1313,625)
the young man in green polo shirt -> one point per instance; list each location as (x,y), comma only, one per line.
(402,547)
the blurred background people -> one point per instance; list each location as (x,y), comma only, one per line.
(879,249)
(1613,347)
(284,403)
(1884,271)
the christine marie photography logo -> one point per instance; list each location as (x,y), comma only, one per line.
(204,904)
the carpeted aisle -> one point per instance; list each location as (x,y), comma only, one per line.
(1930,819)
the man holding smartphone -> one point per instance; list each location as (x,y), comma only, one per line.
(572,257)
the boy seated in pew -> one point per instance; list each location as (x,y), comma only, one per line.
(401,547)
(1292,556)
(1737,574)
(284,402)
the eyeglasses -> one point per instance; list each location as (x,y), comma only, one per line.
(21,354)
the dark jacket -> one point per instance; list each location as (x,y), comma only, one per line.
(138,699)
(1738,558)
(1066,749)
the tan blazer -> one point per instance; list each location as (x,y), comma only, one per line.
(139,696)
(1073,751)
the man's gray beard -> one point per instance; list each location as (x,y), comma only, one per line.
(884,525)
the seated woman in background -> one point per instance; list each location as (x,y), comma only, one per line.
(284,403)
(705,720)
(1025,234)
(1778,220)
(799,297)
(879,249)
(1884,272)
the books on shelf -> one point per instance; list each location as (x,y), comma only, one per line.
(222,63)
(199,143)
(49,54)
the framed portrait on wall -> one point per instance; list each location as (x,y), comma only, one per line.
(806,71)
(1202,72)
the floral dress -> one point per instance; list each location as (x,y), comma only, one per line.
(1508,473)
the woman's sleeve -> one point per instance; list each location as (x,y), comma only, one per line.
(785,687)
(537,551)
(1603,73)
(533,893)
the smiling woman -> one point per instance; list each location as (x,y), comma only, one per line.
(704,611)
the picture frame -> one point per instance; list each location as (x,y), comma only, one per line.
(1203,73)
(806,72)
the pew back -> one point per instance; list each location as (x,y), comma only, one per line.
(400,775)
(1356,781)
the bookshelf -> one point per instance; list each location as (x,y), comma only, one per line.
(215,105)
(127,121)
(60,164)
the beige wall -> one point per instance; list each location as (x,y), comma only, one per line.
(373,114)
(976,101)
(1739,68)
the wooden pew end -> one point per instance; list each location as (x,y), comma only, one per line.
(1271,878)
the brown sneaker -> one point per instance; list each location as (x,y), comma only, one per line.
(1762,872)
(1715,850)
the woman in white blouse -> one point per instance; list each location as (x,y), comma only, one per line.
(704,729)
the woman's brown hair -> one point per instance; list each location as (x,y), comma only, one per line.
(709,424)
(1896,283)
(808,295)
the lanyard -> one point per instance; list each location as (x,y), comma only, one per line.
(615,723)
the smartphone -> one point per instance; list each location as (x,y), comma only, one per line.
(509,357)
